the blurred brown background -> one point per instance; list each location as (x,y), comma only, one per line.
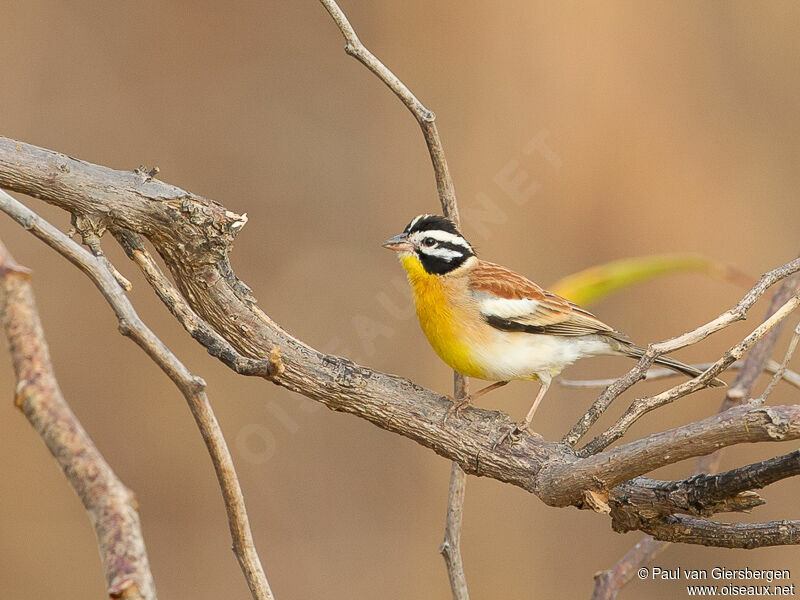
(671,126)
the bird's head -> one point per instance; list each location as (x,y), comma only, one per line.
(434,241)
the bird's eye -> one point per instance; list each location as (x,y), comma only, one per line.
(429,242)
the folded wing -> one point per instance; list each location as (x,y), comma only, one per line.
(510,302)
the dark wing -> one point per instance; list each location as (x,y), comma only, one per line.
(510,302)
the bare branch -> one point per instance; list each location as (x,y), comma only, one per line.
(215,344)
(450,548)
(425,117)
(194,235)
(781,371)
(191,386)
(608,583)
(790,377)
(694,530)
(603,471)
(736,313)
(642,406)
(111,506)
(749,477)
(757,360)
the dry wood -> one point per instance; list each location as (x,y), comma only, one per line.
(191,386)
(194,236)
(111,506)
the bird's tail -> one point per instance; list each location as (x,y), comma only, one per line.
(675,365)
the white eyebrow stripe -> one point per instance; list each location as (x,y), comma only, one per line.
(505,308)
(443,236)
(444,253)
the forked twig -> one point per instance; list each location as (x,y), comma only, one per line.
(730,316)
(781,371)
(642,406)
(609,582)
(191,386)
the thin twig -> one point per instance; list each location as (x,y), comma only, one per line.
(194,236)
(450,547)
(111,506)
(790,377)
(451,544)
(608,584)
(191,386)
(736,313)
(216,345)
(642,406)
(425,117)
(781,372)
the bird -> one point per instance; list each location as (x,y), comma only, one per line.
(488,322)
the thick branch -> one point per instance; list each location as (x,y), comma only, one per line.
(693,530)
(205,279)
(608,469)
(111,505)
(191,386)
(608,583)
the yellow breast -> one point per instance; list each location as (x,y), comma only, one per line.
(444,321)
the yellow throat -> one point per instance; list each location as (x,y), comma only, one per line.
(440,320)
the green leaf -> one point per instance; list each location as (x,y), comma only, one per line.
(594,283)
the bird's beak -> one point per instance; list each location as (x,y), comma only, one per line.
(398,243)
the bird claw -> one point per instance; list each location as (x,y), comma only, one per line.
(455,407)
(513,434)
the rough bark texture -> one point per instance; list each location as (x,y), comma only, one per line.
(111,506)
(194,237)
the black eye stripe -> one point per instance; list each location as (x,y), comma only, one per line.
(448,246)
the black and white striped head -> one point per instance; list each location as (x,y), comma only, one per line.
(435,241)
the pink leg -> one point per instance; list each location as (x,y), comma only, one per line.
(529,417)
(462,402)
(524,426)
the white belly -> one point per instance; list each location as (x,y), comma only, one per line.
(517,355)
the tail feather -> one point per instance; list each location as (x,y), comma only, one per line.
(675,365)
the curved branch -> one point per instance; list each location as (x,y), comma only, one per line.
(450,547)
(425,117)
(111,506)
(191,386)
(194,236)
(741,424)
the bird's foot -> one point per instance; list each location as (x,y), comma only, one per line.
(514,433)
(456,407)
